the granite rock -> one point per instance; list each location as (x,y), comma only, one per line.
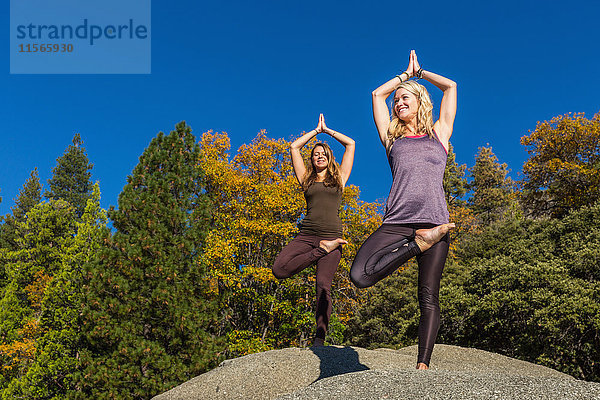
(334,372)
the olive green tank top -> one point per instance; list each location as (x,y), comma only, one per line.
(322,211)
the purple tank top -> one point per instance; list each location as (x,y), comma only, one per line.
(417,194)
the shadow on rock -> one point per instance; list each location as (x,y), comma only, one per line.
(337,361)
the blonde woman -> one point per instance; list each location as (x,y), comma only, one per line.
(416,220)
(320,237)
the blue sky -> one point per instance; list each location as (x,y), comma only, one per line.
(240,67)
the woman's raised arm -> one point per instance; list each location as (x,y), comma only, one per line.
(348,143)
(443,126)
(297,161)
(381,112)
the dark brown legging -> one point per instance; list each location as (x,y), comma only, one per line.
(388,248)
(301,252)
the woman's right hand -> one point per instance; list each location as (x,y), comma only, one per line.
(296,145)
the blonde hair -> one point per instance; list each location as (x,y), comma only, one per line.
(333,177)
(398,127)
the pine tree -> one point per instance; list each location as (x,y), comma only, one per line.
(43,239)
(148,313)
(71,180)
(455,183)
(455,188)
(29,195)
(40,328)
(491,187)
(51,372)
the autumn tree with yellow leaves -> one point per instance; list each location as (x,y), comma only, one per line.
(563,170)
(258,206)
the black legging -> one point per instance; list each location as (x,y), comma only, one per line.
(388,248)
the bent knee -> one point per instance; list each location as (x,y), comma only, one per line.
(359,279)
(324,285)
(280,273)
(428,299)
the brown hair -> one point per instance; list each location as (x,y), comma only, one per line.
(333,177)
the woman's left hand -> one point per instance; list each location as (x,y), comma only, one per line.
(416,66)
(324,127)
(319,127)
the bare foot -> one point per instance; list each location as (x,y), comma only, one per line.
(426,238)
(422,366)
(330,245)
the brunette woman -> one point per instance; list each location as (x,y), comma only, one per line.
(320,239)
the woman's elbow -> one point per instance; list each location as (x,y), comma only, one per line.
(376,93)
(450,88)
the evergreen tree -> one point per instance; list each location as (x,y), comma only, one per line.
(148,312)
(51,373)
(491,187)
(531,291)
(455,183)
(71,179)
(43,239)
(29,196)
